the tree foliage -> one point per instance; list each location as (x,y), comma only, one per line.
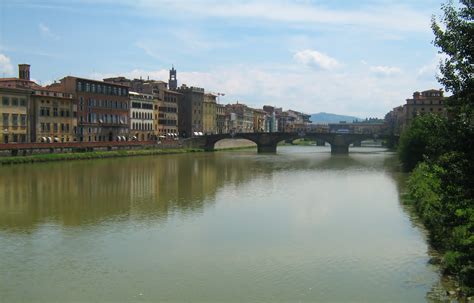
(456,41)
(425,138)
(442,150)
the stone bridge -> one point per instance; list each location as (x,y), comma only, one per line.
(267,142)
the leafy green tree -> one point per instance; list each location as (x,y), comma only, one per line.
(425,138)
(442,184)
(456,41)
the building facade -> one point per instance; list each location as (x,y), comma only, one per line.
(222,119)
(241,118)
(259,121)
(209,117)
(190,111)
(429,101)
(102,108)
(15,94)
(165,109)
(14,115)
(141,116)
(53,116)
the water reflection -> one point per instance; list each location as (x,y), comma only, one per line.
(88,192)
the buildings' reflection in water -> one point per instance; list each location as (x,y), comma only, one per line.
(89,192)
(138,188)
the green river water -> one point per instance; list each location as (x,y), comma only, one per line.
(236,226)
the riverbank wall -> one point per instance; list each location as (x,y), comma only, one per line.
(105,152)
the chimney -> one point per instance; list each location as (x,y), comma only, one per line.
(24,71)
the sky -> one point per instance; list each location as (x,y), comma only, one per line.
(358,58)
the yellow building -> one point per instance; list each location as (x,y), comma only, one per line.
(13,114)
(259,120)
(53,116)
(209,117)
(430,101)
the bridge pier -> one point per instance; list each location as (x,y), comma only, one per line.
(320,142)
(357,144)
(266,148)
(339,149)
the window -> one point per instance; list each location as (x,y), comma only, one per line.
(5,120)
(22,102)
(6,101)
(55,111)
(23,120)
(14,120)
(14,101)
(88,87)
(55,127)
(42,127)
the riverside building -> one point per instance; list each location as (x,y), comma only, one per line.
(190,111)
(102,108)
(209,117)
(165,108)
(141,116)
(14,105)
(53,116)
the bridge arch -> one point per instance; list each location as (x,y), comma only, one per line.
(267,142)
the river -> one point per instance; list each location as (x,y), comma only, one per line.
(235,226)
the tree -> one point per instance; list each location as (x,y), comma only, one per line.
(425,138)
(456,42)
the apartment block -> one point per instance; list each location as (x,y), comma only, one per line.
(102,108)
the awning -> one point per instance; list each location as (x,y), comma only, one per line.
(43,139)
(168,134)
(162,136)
(122,121)
(134,137)
(119,138)
(56,139)
(200,133)
(123,138)
(196,133)
(101,121)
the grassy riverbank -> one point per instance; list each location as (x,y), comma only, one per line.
(94,155)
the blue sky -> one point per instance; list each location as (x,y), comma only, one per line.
(349,57)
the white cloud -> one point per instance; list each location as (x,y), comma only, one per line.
(45,31)
(385,71)
(301,12)
(314,58)
(355,93)
(6,67)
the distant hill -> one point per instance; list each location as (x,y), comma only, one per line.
(331,118)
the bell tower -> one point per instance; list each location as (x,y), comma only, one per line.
(173,82)
(24,71)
